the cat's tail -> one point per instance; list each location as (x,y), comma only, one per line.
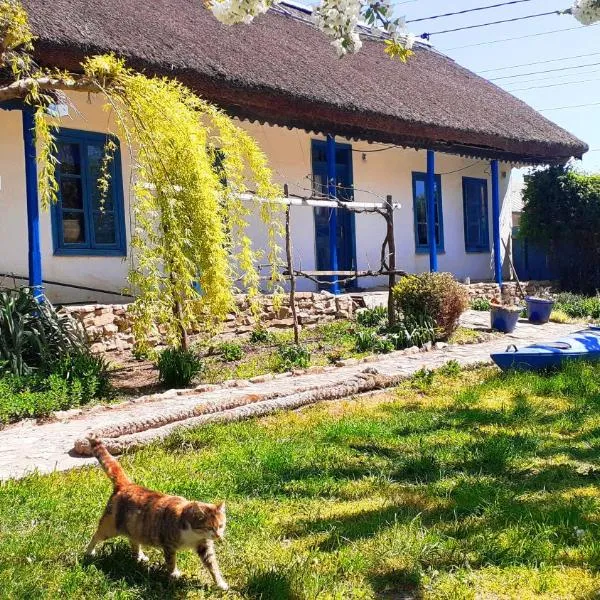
(110,464)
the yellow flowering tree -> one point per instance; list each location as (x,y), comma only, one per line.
(190,164)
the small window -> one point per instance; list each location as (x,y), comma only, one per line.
(420,210)
(475,208)
(83,223)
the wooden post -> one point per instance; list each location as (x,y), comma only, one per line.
(389,219)
(290,266)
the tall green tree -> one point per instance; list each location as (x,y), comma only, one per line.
(189,223)
(561,215)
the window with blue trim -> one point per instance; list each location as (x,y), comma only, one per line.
(84,223)
(475,210)
(420,212)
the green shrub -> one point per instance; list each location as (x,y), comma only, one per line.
(178,367)
(415,330)
(230,351)
(482,304)
(435,295)
(365,340)
(32,334)
(561,216)
(260,336)
(423,379)
(292,356)
(88,372)
(451,369)
(372,317)
(143,352)
(35,396)
(577,306)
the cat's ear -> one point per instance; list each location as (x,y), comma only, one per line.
(221,507)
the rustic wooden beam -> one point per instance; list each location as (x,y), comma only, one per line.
(20,88)
(292,276)
(391,262)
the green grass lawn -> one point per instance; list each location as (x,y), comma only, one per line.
(468,485)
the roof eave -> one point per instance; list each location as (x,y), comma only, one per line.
(267,105)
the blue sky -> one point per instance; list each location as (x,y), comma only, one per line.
(574,88)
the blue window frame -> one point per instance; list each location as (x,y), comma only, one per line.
(475,210)
(420,213)
(81,223)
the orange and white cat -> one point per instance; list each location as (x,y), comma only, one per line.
(154,519)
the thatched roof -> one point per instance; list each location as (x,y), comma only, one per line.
(282,70)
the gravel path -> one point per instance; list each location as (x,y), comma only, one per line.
(26,447)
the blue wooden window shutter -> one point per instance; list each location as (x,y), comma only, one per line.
(475,210)
(420,213)
(81,223)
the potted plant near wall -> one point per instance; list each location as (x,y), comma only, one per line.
(504,317)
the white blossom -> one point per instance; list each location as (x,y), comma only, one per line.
(338,19)
(586,12)
(231,12)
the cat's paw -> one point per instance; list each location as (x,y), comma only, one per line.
(90,552)
(223,585)
(175,574)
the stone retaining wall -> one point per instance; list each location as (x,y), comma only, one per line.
(109,325)
(510,291)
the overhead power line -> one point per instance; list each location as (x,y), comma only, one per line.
(520,37)
(545,71)
(426,36)
(541,62)
(566,107)
(549,78)
(468,10)
(539,87)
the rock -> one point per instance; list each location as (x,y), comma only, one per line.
(281,323)
(104,318)
(262,378)
(348,362)
(440,345)
(206,387)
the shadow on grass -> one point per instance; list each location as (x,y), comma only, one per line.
(152,581)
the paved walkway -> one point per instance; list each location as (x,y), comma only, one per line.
(26,447)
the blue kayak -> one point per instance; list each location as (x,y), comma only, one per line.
(582,345)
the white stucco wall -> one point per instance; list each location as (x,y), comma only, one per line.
(100,272)
(379,174)
(289,152)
